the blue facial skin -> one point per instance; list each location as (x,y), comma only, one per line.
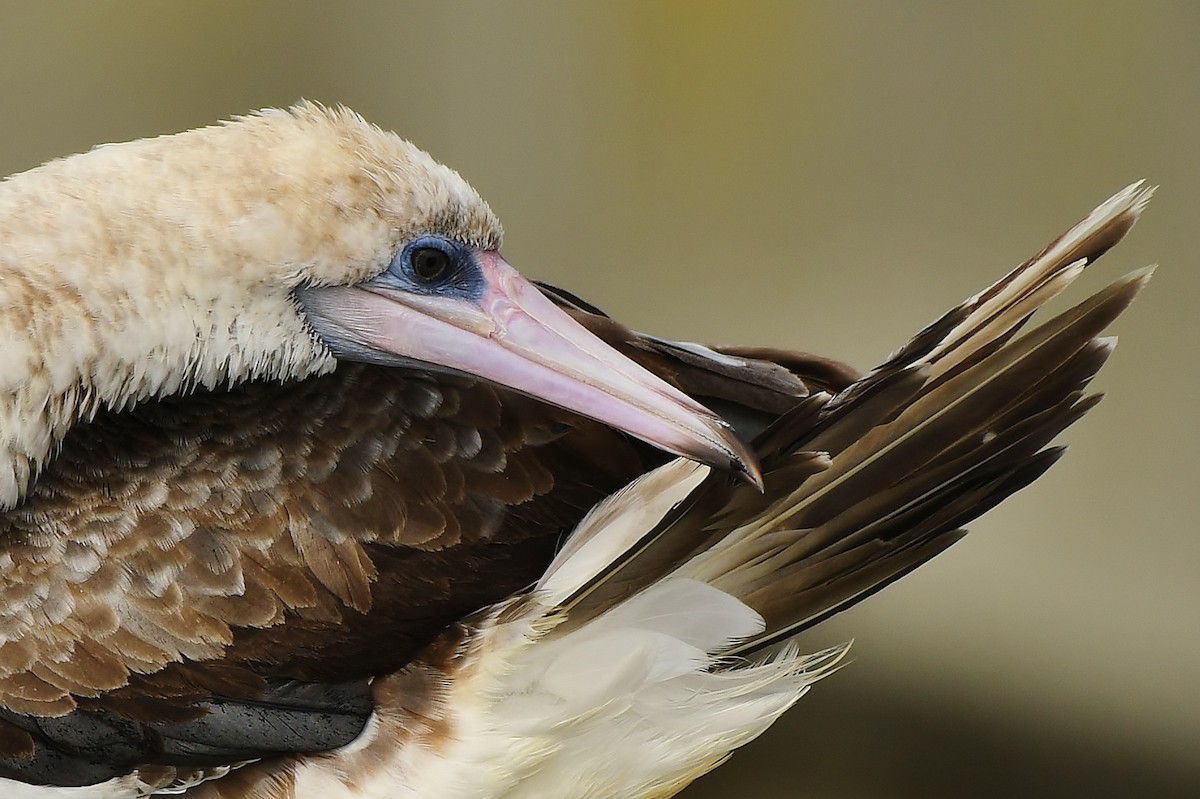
(459,278)
(429,265)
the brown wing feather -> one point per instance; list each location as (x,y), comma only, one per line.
(863,486)
(164,533)
(190,553)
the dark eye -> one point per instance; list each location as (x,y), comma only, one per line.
(430,264)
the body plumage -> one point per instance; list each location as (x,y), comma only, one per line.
(305,492)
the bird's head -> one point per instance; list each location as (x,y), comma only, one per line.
(273,247)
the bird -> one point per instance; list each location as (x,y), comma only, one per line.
(306,492)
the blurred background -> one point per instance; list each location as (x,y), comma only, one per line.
(828,176)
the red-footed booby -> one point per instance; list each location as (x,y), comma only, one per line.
(305,493)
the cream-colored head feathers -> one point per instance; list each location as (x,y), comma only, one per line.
(147,268)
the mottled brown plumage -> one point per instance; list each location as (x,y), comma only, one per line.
(323,513)
(281,531)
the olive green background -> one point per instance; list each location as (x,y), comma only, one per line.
(828,176)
